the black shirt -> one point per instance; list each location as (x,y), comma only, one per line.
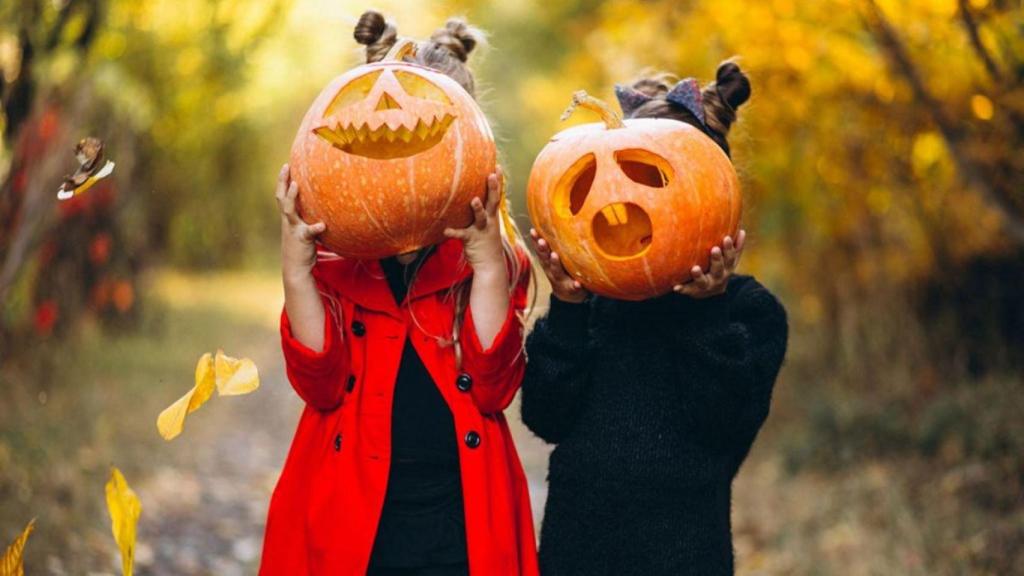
(422,523)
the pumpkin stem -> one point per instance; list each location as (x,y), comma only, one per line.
(404,47)
(580,99)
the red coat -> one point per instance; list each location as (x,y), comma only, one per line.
(324,512)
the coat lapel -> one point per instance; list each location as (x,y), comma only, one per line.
(363,281)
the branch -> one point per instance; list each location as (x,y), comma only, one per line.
(21,92)
(971,172)
(971,26)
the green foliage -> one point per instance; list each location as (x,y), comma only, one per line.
(182,69)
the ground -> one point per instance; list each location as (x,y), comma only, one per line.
(68,413)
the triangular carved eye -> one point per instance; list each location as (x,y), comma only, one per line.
(644,167)
(574,186)
(420,87)
(353,92)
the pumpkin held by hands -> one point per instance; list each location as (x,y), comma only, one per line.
(388,156)
(632,206)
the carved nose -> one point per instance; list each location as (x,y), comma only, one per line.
(386,102)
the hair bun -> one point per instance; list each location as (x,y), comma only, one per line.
(458,37)
(376,33)
(733,84)
(370,27)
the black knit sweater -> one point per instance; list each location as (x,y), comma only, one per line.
(653,406)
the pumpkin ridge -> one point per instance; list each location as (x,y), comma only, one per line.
(353,179)
(456,178)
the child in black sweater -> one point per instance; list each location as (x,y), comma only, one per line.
(653,405)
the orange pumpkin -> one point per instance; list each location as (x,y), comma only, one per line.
(632,206)
(388,156)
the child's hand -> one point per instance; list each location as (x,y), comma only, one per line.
(564,287)
(298,239)
(723,263)
(481,240)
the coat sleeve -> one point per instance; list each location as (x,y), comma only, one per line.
(317,377)
(558,370)
(498,371)
(730,354)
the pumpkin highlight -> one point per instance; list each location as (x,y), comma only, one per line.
(631,206)
(388,156)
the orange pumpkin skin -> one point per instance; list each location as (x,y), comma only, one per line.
(388,156)
(662,195)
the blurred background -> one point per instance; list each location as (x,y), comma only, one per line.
(882,157)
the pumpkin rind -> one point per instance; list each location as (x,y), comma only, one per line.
(395,197)
(690,208)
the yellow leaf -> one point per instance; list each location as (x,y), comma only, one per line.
(229,376)
(10,563)
(234,376)
(172,420)
(125,508)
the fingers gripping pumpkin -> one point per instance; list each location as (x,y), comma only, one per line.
(632,206)
(388,156)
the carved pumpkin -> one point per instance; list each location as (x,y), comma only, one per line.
(388,156)
(632,206)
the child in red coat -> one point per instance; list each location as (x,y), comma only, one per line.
(403,462)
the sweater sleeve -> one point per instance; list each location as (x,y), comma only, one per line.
(558,370)
(317,377)
(733,352)
(497,371)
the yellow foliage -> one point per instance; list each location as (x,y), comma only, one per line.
(982,107)
(124,507)
(11,562)
(228,376)
(929,148)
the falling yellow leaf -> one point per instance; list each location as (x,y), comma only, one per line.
(228,376)
(10,563)
(172,420)
(234,376)
(125,508)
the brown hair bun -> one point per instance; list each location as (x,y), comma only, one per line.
(458,37)
(376,33)
(733,84)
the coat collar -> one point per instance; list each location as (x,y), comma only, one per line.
(363,281)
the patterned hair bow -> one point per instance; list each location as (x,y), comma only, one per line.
(685,93)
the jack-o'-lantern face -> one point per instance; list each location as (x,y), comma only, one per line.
(388,156)
(631,209)
(387,114)
(620,225)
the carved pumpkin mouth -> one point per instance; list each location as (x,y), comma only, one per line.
(385,142)
(622,230)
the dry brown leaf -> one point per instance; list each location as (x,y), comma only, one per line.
(125,508)
(11,563)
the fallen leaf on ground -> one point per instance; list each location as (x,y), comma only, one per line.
(125,508)
(228,376)
(10,563)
